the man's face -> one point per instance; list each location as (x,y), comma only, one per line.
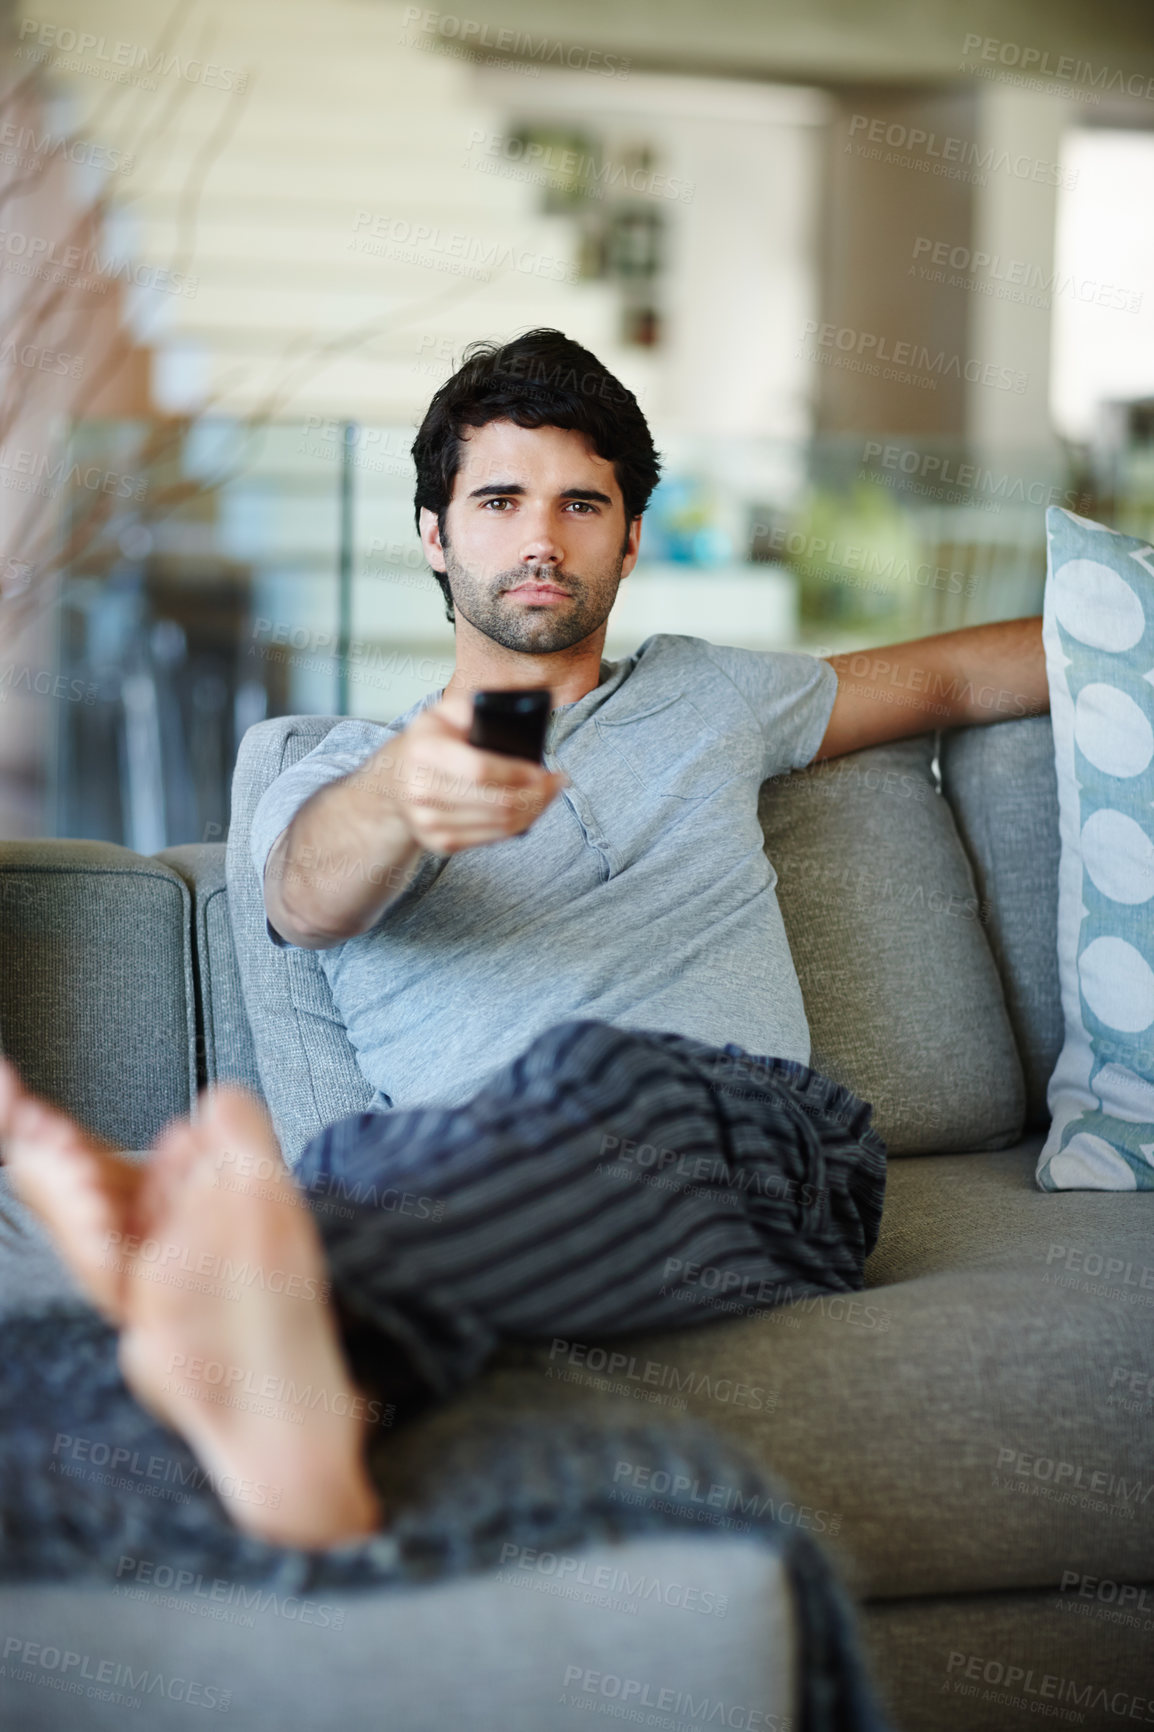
(535,543)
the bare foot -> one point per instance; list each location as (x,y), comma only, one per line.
(217,1281)
(251,1371)
(75,1182)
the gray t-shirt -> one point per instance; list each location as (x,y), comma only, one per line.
(642,896)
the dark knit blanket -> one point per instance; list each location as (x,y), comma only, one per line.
(477,1482)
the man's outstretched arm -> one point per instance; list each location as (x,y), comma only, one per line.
(982,673)
(354,845)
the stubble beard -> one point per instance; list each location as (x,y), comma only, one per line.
(539,631)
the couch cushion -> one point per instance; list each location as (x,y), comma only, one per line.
(963,1213)
(225,1038)
(974,1421)
(32,1275)
(904,1002)
(1008,1662)
(96,988)
(477,1653)
(1001,785)
(308,1068)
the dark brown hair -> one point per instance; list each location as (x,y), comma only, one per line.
(541,379)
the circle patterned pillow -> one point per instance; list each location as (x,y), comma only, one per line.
(1098,631)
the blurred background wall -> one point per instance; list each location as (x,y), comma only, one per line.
(881,277)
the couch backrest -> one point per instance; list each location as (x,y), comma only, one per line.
(96,984)
(902,994)
(225,1051)
(1003,790)
(307,1065)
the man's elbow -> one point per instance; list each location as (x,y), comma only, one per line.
(305,928)
(293,908)
(301,938)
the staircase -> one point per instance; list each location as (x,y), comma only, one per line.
(317,213)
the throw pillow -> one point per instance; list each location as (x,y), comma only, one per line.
(1098,630)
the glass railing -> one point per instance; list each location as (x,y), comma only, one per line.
(195,577)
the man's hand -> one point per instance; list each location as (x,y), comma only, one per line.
(451,795)
(354,846)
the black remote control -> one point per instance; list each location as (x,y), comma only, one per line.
(513,722)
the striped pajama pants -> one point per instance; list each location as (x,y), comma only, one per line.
(607,1180)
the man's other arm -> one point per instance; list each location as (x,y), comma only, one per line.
(355,844)
(982,673)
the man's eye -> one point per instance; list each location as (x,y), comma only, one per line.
(490,502)
(581,505)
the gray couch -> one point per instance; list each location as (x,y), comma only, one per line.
(969,1438)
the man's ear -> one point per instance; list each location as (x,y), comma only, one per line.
(631,548)
(431,539)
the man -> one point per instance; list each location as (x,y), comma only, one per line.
(539,967)
(464,902)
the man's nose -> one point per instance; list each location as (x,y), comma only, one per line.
(541,547)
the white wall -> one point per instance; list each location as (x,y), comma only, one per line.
(1105,253)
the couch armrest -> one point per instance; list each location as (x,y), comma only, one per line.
(224,1047)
